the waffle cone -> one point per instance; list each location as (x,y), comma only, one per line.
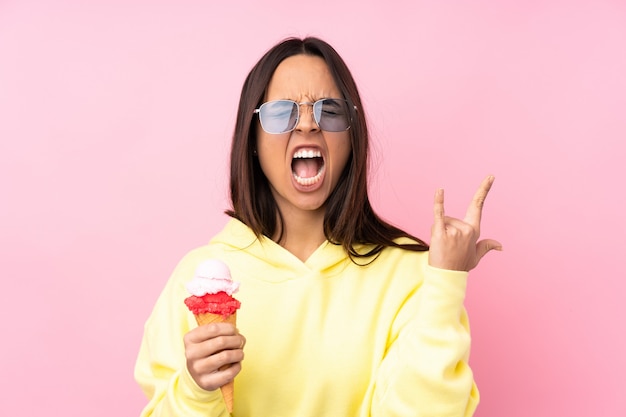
(208,318)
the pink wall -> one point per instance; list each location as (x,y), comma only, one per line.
(115,119)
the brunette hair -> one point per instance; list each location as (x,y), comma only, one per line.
(349,218)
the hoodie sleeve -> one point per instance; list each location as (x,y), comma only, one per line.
(161,370)
(425,372)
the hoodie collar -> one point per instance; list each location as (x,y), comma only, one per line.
(237,236)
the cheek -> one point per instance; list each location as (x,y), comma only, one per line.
(340,154)
(265,160)
(270,152)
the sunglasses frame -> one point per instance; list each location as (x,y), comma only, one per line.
(307,103)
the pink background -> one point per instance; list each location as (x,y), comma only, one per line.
(115,123)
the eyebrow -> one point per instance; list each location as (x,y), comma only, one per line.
(312,101)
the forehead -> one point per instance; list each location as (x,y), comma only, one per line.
(302,78)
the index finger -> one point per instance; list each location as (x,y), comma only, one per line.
(475,209)
(209,331)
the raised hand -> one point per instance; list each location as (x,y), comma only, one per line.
(214,353)
(454,243)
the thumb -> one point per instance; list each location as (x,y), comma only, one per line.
(485,246)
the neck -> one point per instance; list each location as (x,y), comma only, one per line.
(303,232)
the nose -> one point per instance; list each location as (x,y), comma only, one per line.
(306,121)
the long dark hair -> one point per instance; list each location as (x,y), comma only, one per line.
(349,218)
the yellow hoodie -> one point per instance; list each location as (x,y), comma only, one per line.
(324,338)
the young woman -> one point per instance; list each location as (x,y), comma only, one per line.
(342,313)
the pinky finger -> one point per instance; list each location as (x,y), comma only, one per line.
(438,210)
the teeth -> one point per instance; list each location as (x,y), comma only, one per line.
(307,154)
(311,180)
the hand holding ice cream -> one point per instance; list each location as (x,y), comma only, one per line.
(212,302)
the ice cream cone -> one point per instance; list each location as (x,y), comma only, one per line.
(207,318)
(211,301)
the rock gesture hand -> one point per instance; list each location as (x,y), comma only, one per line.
(454,243)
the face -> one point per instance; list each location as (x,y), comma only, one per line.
(303,166)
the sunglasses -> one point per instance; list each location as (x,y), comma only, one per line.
(281,116)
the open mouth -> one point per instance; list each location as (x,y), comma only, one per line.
(307,166)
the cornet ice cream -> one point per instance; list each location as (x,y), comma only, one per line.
(211,301)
